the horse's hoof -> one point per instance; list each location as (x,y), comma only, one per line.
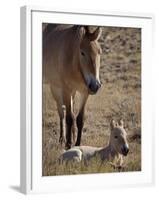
(67,146)
(120,168)
(61,141)
(77,144)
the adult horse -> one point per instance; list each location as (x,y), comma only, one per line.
(71,62)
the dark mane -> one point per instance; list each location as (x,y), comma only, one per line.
(48,28)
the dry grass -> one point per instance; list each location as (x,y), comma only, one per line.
(119,97)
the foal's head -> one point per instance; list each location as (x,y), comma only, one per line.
(118,137)
(89,57)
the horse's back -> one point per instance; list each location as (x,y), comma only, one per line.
(59,57)
(71,155)
(87,151)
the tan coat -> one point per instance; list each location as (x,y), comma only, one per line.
(71,61)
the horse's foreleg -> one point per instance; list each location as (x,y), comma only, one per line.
(69,122)
(80,123)
(80,120)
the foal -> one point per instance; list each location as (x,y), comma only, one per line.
(117,148)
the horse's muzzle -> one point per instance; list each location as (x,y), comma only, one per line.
(94,86)
(125,150)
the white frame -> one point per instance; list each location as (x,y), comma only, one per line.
(31,93)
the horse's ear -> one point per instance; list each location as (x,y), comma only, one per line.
(81,32)
(95,35)
(112,124)
(121,123)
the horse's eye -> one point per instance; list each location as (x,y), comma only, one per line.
(115,136)
(82,53)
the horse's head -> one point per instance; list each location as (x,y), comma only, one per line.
(118,137)
(89,57)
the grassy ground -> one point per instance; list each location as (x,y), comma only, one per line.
(119,97)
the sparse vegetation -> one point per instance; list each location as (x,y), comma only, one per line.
(120,96)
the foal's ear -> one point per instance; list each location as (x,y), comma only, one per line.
(112,124)
(95,35)
(121,123)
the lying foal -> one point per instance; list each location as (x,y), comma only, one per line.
(117,148)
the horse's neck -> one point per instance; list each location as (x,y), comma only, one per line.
(108,152)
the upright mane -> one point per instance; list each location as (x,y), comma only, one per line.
(48,28)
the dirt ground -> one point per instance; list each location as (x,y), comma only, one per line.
(119,97)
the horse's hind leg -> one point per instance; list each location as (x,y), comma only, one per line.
(66,122)
(57,94)
(69,119)
(63,125)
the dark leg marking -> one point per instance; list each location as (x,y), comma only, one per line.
(69,122)
(80,123)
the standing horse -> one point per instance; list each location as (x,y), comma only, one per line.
(71,62)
